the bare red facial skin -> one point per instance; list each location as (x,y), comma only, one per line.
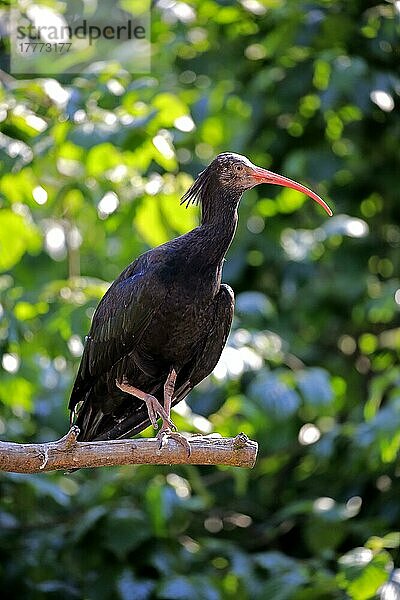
(263,176)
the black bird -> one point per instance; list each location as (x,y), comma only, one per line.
(160,328)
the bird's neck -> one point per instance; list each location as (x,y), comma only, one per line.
(218,223)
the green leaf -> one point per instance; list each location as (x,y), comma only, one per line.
(169,107)
(362,572)
(17,236)
(87,520)
(101,158)
(16,392)
(125,530)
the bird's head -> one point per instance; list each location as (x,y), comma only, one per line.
(235,173)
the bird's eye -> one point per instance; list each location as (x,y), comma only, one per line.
(238,167)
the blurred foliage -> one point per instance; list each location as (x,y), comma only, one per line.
(92,169)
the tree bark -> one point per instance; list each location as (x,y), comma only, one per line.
(67,453)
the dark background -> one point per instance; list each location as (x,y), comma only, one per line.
(92,170)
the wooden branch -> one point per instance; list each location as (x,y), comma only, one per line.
(67,453)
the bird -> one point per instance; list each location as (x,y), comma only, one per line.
(160,328)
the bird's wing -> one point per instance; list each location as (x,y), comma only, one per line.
(133,416)
(209,352)
(119,322)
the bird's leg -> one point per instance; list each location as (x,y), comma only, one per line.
(169,388)
(154,408)
(165,431)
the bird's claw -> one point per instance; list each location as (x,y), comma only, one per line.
(154,408)
(166,433)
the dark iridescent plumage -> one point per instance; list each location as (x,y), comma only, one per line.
(167,310)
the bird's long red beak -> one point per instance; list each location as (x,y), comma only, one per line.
(264,176)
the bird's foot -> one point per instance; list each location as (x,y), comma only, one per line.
(154,408)
(165,433)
